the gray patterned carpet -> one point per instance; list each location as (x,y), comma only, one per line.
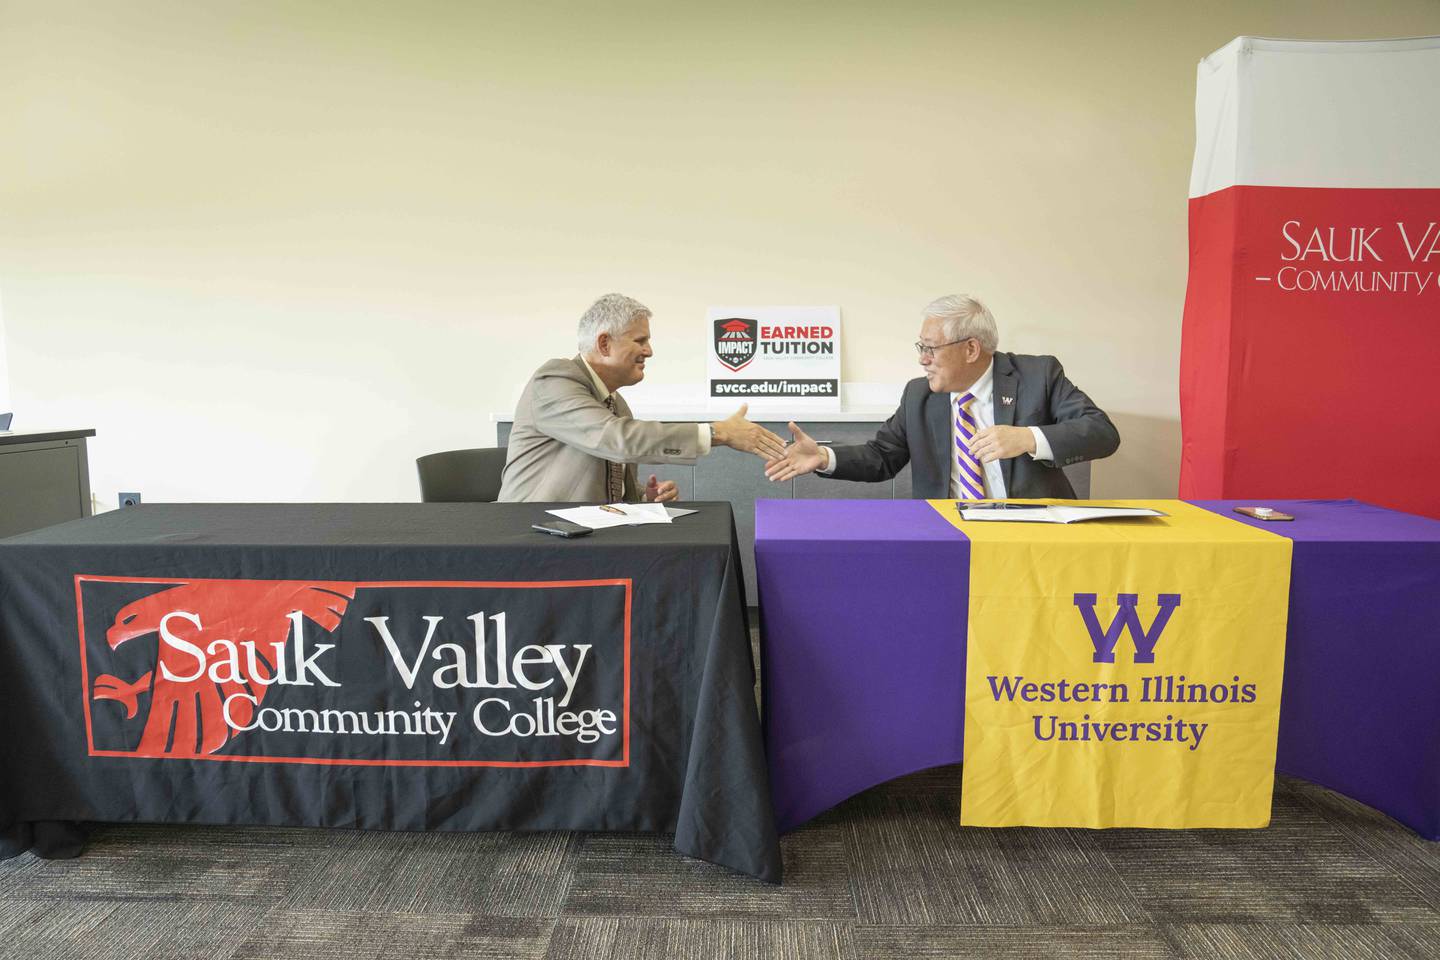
(888,874)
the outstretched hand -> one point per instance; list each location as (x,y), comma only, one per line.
(737,432)
(804,456)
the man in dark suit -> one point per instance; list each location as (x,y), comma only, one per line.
(978,425)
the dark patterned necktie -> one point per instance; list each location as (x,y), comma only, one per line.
(614,472)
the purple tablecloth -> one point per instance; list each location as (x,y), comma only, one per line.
(1360,706)
(863,613)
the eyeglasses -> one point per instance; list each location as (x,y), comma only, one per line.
(927,351)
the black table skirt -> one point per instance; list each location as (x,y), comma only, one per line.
(381,666)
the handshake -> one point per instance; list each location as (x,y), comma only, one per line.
(781,462)
(804,456)
(736,432)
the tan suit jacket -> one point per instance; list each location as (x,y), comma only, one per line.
(564,434)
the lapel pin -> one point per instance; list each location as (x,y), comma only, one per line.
(1007,400)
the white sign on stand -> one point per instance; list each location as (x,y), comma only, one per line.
(773,358)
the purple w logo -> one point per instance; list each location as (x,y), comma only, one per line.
(1126,618)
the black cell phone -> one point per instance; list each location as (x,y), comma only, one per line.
(562,528)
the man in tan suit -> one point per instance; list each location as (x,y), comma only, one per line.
(574,439)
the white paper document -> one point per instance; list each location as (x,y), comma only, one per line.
(1054,513)
(614,515)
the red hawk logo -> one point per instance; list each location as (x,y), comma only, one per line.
(185,717)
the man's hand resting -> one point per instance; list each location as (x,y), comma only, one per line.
(1002,443)
(656,492)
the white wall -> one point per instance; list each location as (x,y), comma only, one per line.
(4,361)
(276,251)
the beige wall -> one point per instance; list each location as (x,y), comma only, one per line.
(275,251)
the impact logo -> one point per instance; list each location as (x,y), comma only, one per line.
(431,673)
(735,342)
(1126,618)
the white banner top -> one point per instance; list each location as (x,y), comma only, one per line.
(1312,113)
(771,357)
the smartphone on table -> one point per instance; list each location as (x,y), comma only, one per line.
(562,528)
(1263,513)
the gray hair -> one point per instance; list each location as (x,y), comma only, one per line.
(612,314)
(964,317)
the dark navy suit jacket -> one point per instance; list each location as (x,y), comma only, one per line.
(919,433)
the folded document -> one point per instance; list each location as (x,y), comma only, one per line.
(1052,513)
(619,514)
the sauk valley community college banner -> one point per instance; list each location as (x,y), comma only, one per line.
(1312,318)
(429,673)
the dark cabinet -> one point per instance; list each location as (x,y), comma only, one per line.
(44,479)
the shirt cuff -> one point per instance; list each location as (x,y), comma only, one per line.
(704,444)
(829,467)
(1042,446)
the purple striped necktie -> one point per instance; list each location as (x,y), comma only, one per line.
(971,474)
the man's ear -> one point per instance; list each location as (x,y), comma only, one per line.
(602,344)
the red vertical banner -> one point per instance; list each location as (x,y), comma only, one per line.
(1311,343)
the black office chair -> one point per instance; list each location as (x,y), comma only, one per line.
(461,476)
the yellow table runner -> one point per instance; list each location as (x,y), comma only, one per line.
(1123,673)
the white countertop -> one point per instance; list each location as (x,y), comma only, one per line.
(686,403)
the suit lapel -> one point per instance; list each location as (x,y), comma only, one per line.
(632,473)
(631,484)
(937,421)
(1004,385)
